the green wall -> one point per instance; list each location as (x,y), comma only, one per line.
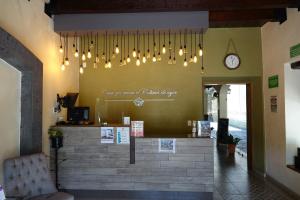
(169,119)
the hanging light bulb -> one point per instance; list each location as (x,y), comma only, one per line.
(154,58)
(109,64)
(144,59)
(128,59)
(117,50)
(134,53)
(95,65)
(97,58)
(83,58)
(89,55)
(138,62)
(105,65)
(164,49)
(81,70)
(174,60)
(76,54)
(202,70)
(67,62)
(200,51)
(84,65)
(195,59)
(158,57)
(63,67)
(191,59)
(185,63)
(148,53)
(170,62)
(180,51)
(61,50)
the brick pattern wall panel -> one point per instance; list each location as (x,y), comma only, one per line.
(86,164)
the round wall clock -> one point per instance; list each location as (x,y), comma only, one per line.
(232,61)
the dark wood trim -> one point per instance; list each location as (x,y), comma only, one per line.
(121,6)
(249,100)
(249,96)
(18,56)
(141,194)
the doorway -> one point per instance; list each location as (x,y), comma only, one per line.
(227,107)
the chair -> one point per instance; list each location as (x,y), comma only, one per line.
(28,178)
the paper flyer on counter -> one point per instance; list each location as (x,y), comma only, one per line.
(123,135)
(107,135)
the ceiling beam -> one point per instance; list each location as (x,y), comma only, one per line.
(126,6)
(246,18)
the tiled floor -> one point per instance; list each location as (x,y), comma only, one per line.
(233,182)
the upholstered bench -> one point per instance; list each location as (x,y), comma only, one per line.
(28,178)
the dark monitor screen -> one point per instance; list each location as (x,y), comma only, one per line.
(77,114)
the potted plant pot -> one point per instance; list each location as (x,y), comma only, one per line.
(231,148)
(56,138)
(231,144)
(56,142)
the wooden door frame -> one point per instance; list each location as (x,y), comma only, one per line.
(249,104)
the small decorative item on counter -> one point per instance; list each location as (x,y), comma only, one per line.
(126,120)
(231,143)
(56,137)
(194,129)
(2,195)
(204,129)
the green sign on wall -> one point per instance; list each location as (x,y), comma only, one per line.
(295,50)
(273,81)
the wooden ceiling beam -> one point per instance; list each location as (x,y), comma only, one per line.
(120,6)
(246,18)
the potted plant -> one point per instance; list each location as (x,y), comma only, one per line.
(56,137)
(231,143)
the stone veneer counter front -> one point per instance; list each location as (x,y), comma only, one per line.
(86,164)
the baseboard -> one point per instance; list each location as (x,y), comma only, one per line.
(155,195)
(289,192)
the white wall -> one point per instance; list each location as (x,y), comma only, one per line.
(292,104)
(223,101)
(276,42)
(10,115)
(27,22)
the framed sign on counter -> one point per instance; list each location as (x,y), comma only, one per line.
(137,128)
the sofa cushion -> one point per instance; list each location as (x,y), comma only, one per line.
(27,176)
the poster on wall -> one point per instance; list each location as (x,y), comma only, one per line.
(167,145)
(123,135)
(204,129)
(137,128)
(273,81)
(107,135)
(274,104)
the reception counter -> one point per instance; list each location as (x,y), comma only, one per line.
(86,164)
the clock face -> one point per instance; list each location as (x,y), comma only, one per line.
(232,61)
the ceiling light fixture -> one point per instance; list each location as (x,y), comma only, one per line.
(128,57)
(180,49)
(117,50)
(61,50)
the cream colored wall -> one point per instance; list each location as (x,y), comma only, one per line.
(27,22)
(10,115)
(276,42)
